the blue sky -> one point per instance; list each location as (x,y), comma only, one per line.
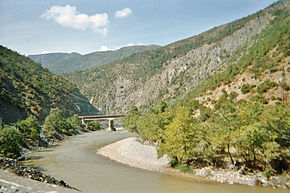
(84,26)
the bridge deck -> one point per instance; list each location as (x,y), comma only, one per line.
(94,117)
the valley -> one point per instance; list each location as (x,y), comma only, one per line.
(215,104)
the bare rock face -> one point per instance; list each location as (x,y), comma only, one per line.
(196,65)
(171,71)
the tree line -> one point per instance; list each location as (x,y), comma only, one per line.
(29,134)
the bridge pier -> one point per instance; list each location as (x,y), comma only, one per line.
(110,118)
(111,125)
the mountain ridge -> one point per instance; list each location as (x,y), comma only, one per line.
(173,70)
(72,62)
(26,88)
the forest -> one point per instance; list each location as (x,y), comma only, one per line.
(250,132)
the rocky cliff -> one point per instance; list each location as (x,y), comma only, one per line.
(172,71)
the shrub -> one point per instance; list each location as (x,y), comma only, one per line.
(55,125)
(130,121)
(76,123)
(10,139)
(266,85)
(94,125)
(233,95)
(272,70)
(246,88)
(260,99)
(29,129)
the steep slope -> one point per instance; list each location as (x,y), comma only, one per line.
(27,88)
(172,71)
(75,62)
(46,60)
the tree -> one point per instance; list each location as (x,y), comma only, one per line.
(10,139)
(30,129)
(76,123)
(180,137)
(55,125)
(130,121)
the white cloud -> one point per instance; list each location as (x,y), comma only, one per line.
(129,44)
(69,17)
(135,44)
(104,48)
(45,52)
(123,13)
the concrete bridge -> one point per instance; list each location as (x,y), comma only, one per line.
(102,117)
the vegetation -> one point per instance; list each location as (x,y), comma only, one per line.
(246,88)
(266,85)
(10,138)
(26,134)
(30,130)
(274,37)
(30,88)
(94,125)
(242,132)
(105,83)
(55,125)
(251,133)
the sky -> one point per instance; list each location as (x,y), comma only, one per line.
(84,26)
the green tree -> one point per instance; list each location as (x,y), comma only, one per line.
(10,139)
(30,130)
(76,123)
(130,121)
(55,125)
(180,137)
(94,125)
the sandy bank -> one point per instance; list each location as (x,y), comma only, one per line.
(131,152)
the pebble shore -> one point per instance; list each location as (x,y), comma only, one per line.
(135,154)
(132,152)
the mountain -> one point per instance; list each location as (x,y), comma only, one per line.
(46,60)
(179,69)
(61,63)
(28,88)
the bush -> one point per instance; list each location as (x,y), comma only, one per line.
(76,123)
(30,130)
(10,139)
(55,125)
(233,95)
(266,85)
(261,100)
(246,88)
(130,121)
(94,125)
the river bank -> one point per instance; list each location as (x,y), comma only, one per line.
(132,152)
(11,170)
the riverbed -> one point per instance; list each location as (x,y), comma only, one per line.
(76,162)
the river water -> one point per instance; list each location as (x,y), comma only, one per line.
(76,162)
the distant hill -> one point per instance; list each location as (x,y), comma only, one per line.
(188,67)
(64,63)
(51,58)
(27,88)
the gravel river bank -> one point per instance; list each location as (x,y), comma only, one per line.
(132,152)
(76,162)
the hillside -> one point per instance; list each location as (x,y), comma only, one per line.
(26,88)
(46,60)
(73,62)
(173,71)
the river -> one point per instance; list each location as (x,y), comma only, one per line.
(76,162)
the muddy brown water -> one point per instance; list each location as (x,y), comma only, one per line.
(76,162)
